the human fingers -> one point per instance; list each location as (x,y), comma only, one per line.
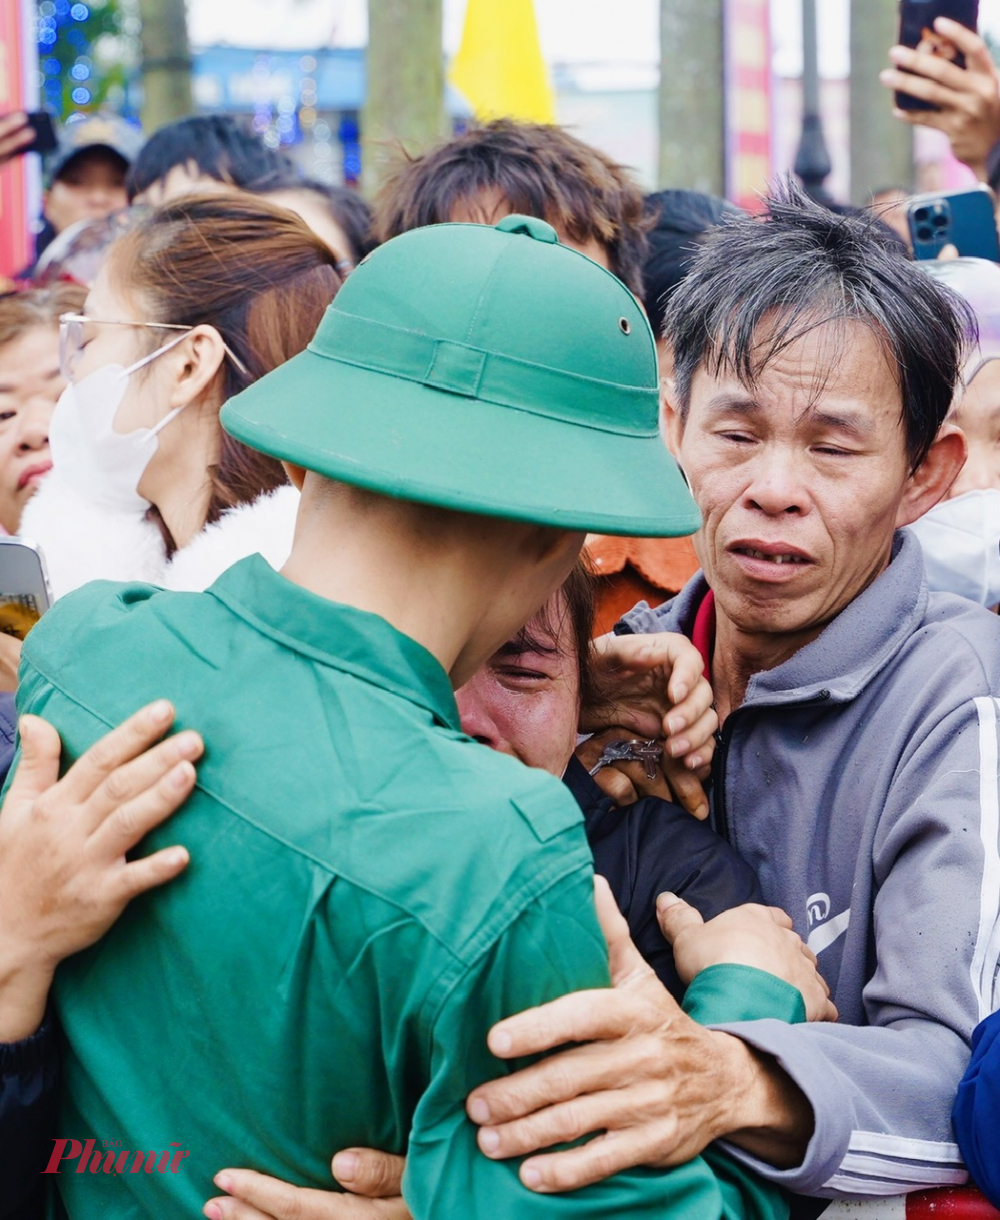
(624,959)
(38,767)
(923,118)
(687,716)
(699,736)
(139,795)
(116,748)
(138,876)
(675,916)
(780,916)
(649,1144)
(948,254)
(592,1068)
(976,52)
(253,1195)
(369,1172)
(15,134)
(933,67)
(686,789)
(921,87)
(611,781)
(609,1110)
(10,660)
(581,1016)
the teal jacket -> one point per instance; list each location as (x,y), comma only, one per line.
(369,891)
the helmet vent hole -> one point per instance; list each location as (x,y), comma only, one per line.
(625,325)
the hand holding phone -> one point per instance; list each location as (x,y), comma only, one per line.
(918,33)
(15,136)
(965,102)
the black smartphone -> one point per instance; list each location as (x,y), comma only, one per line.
(964,219)
(46,140)
(916,30)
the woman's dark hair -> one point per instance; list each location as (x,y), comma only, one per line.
(219,145)
(257,274)
(680,222)
(759,285)
(351,213)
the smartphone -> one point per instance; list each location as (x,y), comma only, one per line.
(916,30)
(46,140)
(964,219)
(24,586)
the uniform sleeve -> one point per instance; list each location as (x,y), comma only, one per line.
(882,1091)
(552,947)
(977,1110)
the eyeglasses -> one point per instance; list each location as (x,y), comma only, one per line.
(71,339)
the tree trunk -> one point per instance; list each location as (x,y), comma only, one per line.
(166,63)
(881,146)
(405,102)
(692,96)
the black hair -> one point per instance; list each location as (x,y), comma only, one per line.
(681,220)
(800,265)
(874,215)
(351,212)
(218,144)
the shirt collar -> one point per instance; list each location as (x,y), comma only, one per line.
(340,636)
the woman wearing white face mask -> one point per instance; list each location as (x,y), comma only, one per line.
(193,304)
(961,535)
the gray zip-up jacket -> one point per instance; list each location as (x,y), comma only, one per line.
(860,780)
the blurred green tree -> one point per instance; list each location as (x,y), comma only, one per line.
(83,53)
(692,99)
(881,146)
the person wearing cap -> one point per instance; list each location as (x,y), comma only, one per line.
(85,177)
(369,888)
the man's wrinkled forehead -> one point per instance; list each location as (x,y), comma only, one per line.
(835,366)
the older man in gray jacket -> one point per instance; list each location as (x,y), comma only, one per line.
(857,765)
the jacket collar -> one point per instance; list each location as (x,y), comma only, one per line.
(850,651)
(338,636)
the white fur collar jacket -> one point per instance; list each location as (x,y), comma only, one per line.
(81,541)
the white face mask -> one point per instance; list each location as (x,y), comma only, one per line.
(961,544)
(104,465)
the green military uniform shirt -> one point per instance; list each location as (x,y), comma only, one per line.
(369,891)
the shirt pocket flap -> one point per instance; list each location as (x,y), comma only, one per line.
(548,811)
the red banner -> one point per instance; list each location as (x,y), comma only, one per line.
(18,91)
(749,164)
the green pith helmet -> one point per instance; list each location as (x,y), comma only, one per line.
(487,370)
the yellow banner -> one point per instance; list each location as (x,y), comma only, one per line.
(499,66)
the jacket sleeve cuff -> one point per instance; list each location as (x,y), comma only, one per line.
(728,993)
(31,1053)
(826,1093)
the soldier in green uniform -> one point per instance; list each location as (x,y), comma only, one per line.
(369,889)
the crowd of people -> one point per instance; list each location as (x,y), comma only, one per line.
(691,517)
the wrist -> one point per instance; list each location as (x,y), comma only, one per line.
(767,1114)
(24,992)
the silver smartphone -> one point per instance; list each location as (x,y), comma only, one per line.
(24,586)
